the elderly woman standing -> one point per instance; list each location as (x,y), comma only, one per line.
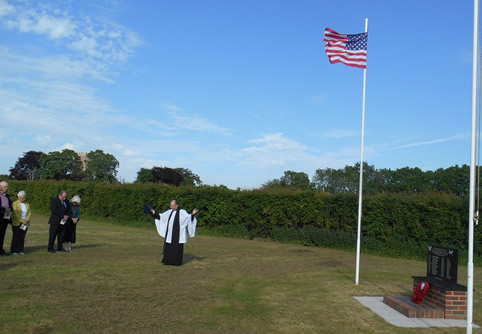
(71,227)
(20,223)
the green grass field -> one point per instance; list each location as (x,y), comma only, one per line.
(113,282)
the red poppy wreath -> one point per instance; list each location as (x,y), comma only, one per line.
(420,292)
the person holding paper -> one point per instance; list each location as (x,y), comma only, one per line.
(173,225)
(20,223)
(5,213)
(59,214)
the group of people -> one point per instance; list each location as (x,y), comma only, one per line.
(64,216)
(16,214)
(63,221)
(173,225)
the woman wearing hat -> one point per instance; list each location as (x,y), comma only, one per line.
(20,223)
(71,226)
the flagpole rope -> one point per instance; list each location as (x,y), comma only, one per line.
(477,193)
(479,112)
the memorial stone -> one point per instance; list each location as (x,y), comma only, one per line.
(442,263)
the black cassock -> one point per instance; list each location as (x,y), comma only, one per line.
(173,251)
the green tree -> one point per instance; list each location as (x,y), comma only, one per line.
(408,179)
(271,184)
(144,175)
(455,180)
(342,180)
(295,180)
(166,175)
(101,166)
(189,178)
(27,167)
(347,179)
(65,165)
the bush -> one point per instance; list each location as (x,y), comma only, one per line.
(397,224)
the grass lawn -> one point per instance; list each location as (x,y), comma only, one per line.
(113,282)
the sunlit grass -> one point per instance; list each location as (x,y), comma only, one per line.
(113,282)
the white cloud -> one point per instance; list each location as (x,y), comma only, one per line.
(87,45)
(100,44)
(172,107)
(31,20)
(338,134)
(66,146)
(275,150)
(5,8)
(196,123)
(59,67)
(430,142)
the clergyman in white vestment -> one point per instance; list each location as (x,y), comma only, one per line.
(174,225)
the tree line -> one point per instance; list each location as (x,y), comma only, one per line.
(102,167)
(93,166)
(65,165)
(173,176)
(452,180)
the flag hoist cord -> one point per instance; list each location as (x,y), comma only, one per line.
(475,160)
(479,112)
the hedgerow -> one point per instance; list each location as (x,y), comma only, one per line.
(395,224)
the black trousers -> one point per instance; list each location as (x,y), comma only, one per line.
(56,231)
(3,229)
(18,239)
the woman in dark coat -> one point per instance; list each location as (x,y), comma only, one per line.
(70,235)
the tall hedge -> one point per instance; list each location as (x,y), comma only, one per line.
(426,217)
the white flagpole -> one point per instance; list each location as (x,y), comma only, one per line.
(470,261)
(360,188)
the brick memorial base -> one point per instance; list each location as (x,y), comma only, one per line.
(443,300)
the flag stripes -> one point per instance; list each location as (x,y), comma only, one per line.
(350,50)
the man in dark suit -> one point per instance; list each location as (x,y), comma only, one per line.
(5,213)
(59,214)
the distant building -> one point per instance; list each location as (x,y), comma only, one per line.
(84,159)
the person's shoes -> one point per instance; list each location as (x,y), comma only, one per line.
(21,253)
(14,253)
(52,251)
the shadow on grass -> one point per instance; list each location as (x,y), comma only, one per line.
(191,258)
(340,267)
(87,246)
(33,249)
(7,266)
(301,251)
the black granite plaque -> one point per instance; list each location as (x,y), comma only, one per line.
(442,263)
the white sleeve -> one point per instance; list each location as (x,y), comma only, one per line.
(161,224)
(191,228)
(186,222)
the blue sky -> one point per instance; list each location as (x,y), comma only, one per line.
(236,91)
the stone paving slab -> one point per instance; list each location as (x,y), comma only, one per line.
(396,318)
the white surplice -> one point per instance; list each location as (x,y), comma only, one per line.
(186,224)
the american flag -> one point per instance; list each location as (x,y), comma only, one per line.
(350,50)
